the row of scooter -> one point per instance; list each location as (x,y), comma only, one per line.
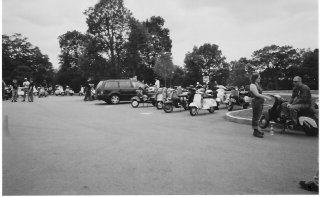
(191,99)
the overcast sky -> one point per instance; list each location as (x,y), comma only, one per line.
(238,27)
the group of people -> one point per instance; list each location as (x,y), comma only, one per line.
(300,100)
(28,88)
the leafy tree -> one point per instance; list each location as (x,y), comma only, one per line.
(207,60)
(21,59)
(179,77)
(240,72)
(73,47)
(108,24)
(310,68)
(274,61)
(192,69)
(210,58)
(164,66)
(137,42)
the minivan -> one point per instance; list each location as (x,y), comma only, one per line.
(113,91)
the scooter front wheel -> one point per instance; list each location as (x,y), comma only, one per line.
(167,108)
(193,111)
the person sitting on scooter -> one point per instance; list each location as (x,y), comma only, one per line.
(300,100)
(191,93)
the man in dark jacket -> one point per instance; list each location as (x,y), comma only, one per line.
(30,91)
(300,100)
(87,90)
(15,86)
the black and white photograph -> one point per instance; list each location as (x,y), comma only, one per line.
(160,97)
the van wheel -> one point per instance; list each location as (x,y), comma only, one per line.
(114,99)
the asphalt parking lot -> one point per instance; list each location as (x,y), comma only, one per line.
(65,146)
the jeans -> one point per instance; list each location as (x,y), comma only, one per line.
(87,96)
(30,97)
(14,95)
(26,94)
(292,112)
(257,107)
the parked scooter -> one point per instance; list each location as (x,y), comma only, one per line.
(178,99)
(240,98)
(222,96)
(7,93)
(143,96)
(59,90)
(42,92)
(307,121)
(202,100)
(160,97)
(81,92)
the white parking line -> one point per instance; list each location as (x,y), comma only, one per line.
(107,106)
(145,113)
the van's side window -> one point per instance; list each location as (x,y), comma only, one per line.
(112,84)
(125,84)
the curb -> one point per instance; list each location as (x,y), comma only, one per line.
(236,119)
(248,121)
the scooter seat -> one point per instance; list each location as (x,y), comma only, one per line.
(182,95)
(207,96)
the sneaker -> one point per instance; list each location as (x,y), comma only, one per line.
(310,186)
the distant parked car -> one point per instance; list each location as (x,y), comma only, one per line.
(115,90)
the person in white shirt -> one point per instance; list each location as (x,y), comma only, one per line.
(157,83)
(26,85)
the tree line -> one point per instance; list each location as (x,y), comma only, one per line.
(116,45)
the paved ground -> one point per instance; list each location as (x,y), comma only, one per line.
(64,146)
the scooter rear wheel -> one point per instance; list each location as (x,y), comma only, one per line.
(309,130)
(211,110)
(264,120)
(230,106)
(193,111)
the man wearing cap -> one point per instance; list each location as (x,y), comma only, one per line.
(25,85)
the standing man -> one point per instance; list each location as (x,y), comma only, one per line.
(25,85)
(14,90)
(300,100)
(87,90)
(157,83)
(31,86)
